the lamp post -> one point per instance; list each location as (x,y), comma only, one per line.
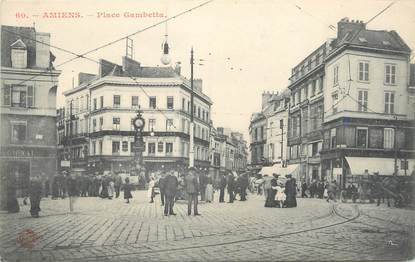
(138,147)
(191,146)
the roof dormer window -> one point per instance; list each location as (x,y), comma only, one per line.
(362,39)
(19,54)
(386,42)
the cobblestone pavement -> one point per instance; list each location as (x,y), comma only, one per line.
(110,230)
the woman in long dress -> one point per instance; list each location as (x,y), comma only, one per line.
(209,190)
(150,192)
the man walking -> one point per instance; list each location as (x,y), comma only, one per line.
(202,184)
(231,187)
(192,189)
(171,184)
(244,185)
(222,185)
(35,194)
(117,184)
(162,186)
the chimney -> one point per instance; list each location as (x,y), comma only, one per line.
(178,68)
(42,49)
(266,96)
(344,26)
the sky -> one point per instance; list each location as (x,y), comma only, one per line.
(261,40)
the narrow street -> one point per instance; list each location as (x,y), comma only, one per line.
(110,230)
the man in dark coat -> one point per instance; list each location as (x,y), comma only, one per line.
(244,183)
(303,190)
(162,187)
(55,187)
(231,187)
(117,184)
(11,186)
(35,194)
(291,191)
(170,188)
(202,184)
(222,186)
(192,190)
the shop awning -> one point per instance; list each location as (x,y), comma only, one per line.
(384,166)
(277,169)
(290,169)
(268,170)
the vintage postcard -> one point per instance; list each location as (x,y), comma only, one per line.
(207,130)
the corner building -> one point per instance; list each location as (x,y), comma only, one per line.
(98,119)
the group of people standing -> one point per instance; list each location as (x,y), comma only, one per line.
(279,193)
(320,189)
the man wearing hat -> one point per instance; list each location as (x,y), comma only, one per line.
(291,191)
(191,186)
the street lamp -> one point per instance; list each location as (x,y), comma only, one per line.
(191,149)
(138,147)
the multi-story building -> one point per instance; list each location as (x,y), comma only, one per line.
(240,155)
(258,133)
(369,121)
(276,113)
(28,106)
(99,113)
(306,113)
(228,152)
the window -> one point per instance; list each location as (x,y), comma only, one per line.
(198,112)
(389,102)
(207,117)
(101,123)
(153,102)
(335,98)
(101,102)
(361,137)
(313,88)
(134,101)
(388,138)
(151,124)
(94,124)
(116,123)
(18,133)
(19,58)
(124,146)
(363,71)
(317,59)
(390,74)
(170,102)
(100,146)
(18,95)
(95,104)
(375,138)
(183,103)
(169,125)
(336,75)
(117,101)
(115,147)
(333,139)
(203,133)
(94,148)
(160,147)
(362,101)
(152,148)
(169,148)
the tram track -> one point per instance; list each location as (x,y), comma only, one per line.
(332,213)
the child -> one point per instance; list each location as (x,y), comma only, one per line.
(127,190)
(281,197)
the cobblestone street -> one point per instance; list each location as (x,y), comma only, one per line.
(110,230)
